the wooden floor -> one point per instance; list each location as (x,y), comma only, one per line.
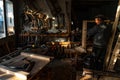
(56,70)
(65,70)
(94,77)
(101,78)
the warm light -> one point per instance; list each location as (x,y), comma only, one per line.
(31,55)
(114,61)
(53,18)
(117,52)
(52,43)
(65,44)
(72,22)
(10,29)
(22,77)
(119,36)
(55,25)
(118,9)
(47,16)
(17,75)
(8,72)
(35,56)
(60,40)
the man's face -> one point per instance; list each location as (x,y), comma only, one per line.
(98,21)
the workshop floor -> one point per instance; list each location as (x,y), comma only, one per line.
(65,69)
(96,77)
(100,78)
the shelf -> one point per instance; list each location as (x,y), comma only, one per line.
(52,34)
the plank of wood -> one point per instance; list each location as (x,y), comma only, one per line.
(114,27)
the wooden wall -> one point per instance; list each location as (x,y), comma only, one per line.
(7,45)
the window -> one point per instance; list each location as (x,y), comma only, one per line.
(2,20)
(9,22)
(10,18)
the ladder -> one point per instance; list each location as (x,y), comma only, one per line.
(115,55)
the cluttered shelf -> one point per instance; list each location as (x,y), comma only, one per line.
(52,34)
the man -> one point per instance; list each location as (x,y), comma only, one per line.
(100,33)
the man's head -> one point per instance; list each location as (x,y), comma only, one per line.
(99,19)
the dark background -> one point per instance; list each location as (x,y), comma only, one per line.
(87,9)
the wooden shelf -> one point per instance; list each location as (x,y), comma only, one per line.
(56,34)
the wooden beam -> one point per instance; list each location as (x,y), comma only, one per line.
(109,49)
(115,55)
(84,34)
